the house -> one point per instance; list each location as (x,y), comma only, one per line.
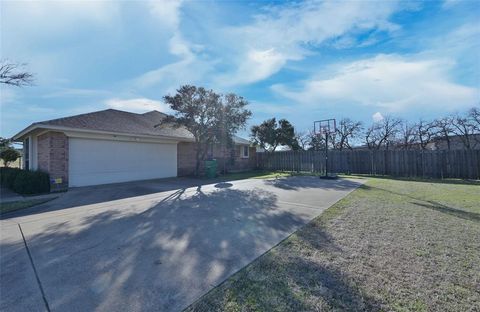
(111,146)
(440,143)
(456,142)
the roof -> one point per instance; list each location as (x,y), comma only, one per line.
(152,123)
(117,121)
(239,140)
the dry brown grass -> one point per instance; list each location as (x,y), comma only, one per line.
(389,246)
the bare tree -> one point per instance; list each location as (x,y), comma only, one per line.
(316,141)
(303,140)
(464,127)
(372,137)
(444,129)
(425,132)
(13,74)
(474,115)
(382,133)
(408,134)
(346,131)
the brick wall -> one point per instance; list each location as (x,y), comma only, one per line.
(185,159)
(233,161)
(52,154)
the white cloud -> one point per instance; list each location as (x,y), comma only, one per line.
(139,105)
(167,12)
(391,82)
(189,69)
(377,117)
(285,33)
(253,52)
(264,62)
(168,78)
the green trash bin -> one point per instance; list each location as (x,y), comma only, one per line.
(211,168)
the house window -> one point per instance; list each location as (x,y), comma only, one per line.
(26,153)
(245,151)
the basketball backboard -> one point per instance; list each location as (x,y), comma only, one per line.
(324,127)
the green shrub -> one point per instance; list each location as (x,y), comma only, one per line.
(8,176)
(31,182)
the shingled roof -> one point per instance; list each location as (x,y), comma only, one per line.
(112,120)
(117,121)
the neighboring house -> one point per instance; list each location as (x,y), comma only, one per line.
(112,146)
(440,144)
(280,148)
(456,143)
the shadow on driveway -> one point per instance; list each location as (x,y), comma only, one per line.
(89,195)
(157,252)
(306,182)
(160,259)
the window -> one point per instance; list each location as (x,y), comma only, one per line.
(26,153)
(245,151)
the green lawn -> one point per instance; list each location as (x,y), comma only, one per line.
(22,204)
(391,245)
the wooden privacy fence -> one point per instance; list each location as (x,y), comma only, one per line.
(463,164)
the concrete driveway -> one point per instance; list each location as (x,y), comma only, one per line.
(153,245)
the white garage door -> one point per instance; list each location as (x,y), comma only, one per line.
(93,162)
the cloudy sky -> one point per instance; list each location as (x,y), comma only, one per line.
(300,60)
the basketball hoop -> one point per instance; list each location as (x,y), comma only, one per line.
(325,128)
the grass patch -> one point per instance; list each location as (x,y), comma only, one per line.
(416,179)
(391,245)
(22,204)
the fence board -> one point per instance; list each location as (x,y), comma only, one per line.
(464,164)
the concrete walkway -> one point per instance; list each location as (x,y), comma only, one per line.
(156,251)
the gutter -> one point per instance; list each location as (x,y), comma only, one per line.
(17,137)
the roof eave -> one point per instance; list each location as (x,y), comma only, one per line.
(18,137)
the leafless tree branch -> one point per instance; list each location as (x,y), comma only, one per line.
(13,74)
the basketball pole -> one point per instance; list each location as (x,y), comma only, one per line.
(325,127)
(326,155)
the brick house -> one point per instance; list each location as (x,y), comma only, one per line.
(112,146)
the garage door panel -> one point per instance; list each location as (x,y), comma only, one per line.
(93,162)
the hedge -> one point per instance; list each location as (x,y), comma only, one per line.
(25,181)
(8,175)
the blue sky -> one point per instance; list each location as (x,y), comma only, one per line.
(297,60)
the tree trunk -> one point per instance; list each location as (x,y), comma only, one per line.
(197,159)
